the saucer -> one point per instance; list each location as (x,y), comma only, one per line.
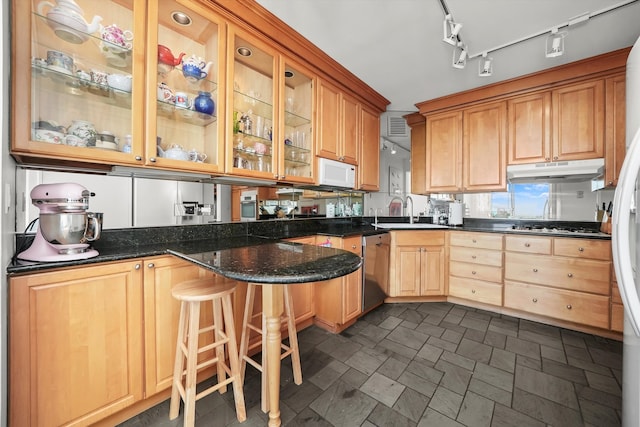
(60,70)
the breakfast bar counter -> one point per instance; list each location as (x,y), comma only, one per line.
(273,266)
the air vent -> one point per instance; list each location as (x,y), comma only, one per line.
(397,126)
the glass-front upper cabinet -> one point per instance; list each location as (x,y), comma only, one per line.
(252,117)
(77,77)
(296,154)
(185,89)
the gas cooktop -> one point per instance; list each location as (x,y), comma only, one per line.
(554,229)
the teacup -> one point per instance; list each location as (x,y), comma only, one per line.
(115,35)
(182,100)
(99,77)
(194,156)
(260,148)
(59,61)
(165,93)
(74,141)
(120,81)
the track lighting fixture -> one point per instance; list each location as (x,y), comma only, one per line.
(555,43)
(460,55)
(485,66)
(451,30)
(393,149)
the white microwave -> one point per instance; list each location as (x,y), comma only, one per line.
(336,174)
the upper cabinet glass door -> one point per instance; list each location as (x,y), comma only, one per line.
(296,154)
(185,91)
(252,118)
(75,79)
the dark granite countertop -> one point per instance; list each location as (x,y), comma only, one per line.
(131,243)
(277,262)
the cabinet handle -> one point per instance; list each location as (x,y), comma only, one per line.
(152,159)
(473,257)
(474,240)
(473,272)
(570,275)
(535,300)
(555,157)
(151,265)
(535,270)
(138,158)
(137,267)
(610,183)
(353,246)
(473,291)
(526,245)
(569,307)
(580,249)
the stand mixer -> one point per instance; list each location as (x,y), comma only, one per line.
(65,226)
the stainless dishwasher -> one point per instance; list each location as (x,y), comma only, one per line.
(375,270)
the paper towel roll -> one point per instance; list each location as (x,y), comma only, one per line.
(455,213)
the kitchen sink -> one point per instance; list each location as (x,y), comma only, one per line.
(405,225)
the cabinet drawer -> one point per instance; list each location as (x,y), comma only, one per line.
(476,240)
(583,248)
(476,290)
(569,273)
(617,317)
(418,238)
(529,244)
(578,307)
(476,256)
(352,244)
(476,271)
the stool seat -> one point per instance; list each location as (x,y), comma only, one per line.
(191,293)
(203,289)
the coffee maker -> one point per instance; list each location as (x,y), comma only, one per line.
(64,226)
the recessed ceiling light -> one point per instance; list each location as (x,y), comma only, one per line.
(181,18)
(288,74)
(244,51)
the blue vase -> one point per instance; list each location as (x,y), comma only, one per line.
(203,103)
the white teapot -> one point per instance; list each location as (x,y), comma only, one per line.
(74,28)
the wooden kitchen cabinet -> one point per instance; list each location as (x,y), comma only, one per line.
(569,283)
(339,301)
(475,267)
(578,121)
(64,98)
(75,344)
(464,150)
(338,124)
(369,156)
(484,151)
(443,156)
(168,123)
(615,128)
(416,265)
(529,123)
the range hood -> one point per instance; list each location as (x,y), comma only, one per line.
(564,171)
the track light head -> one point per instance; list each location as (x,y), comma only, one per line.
(393,149)
(450,30)
(485,66)
(555,43)
(460,56)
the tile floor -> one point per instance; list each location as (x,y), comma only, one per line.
(434,364)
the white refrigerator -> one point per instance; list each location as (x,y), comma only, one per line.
(626,244)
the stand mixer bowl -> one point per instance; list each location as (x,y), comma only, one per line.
(70,228)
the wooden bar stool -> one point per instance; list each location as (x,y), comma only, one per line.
(249,324)
(191,293)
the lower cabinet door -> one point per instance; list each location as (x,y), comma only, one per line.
(161,314)
(75,351)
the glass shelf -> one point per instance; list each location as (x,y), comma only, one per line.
(243,103)
(294,120)
(73,85)
(171,111)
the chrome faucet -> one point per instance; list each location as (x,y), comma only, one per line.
(411,211)
(375,214)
